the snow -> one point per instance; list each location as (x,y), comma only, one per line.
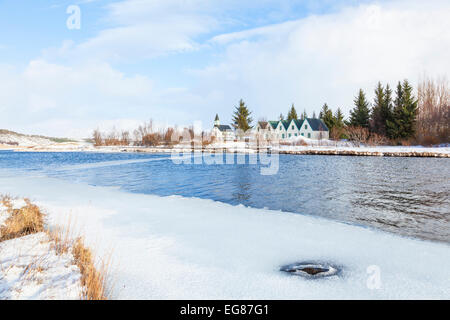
(188,248)
(18,203)
(39,144)
(382,149)
(31,269)
(4,214)
(13,138)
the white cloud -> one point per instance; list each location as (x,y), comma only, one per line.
(327,58)
(53,98)
(321,58)
(57,100)
(142,29)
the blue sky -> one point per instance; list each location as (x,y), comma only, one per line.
(180,61)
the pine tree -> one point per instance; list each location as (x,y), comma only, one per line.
(359,116)
(386,111)
(281,117)
(241,117)
(338,131)
(403,119)
(292,114)
(327,116)
(339,118)
(377,121)
(314,115)
(304,115)
(410,105)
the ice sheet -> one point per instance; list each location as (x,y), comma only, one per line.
(187,248)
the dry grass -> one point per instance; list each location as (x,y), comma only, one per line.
(22,222)
(93,279)
(29,219)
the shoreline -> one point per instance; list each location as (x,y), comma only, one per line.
(379,151)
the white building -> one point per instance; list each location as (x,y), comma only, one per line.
(222,132)
(287,129)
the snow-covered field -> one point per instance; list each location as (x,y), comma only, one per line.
(185,248)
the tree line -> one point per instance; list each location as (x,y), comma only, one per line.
(394,117)
(399,117)
(146,135)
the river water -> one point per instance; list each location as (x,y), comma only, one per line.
(407,196)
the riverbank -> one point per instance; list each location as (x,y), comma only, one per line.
(241,147)
(40,262)
(188,248)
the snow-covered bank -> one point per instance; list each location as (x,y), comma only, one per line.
(387,151)
(31,269)
(174,247)
(30,265)
(382,149)
(45,264)
(242,147)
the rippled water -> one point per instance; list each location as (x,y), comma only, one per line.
(409,196)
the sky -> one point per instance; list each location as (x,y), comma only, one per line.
(120,63)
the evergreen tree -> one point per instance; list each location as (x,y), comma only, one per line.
(403,120)
(241,117)
(339,118)
(359,116)
(281,117)
(314,115)
(393,125)
(338,131)
(292,114)
(304,115)
(327,116)
(398,96)
(386,111)
(410,105)
(377,122)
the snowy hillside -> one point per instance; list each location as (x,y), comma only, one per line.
(17,139)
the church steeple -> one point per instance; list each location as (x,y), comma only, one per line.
(216,121)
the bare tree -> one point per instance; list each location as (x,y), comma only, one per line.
(97,138)
(125,138)
(357,135)
(433,118)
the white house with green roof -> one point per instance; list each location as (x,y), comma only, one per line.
(310,128)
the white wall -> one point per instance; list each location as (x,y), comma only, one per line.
(292,131)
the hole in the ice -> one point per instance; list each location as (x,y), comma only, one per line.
(310,269)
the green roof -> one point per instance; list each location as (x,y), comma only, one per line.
(273,124)
(317,124)
(298,123)
(286,123)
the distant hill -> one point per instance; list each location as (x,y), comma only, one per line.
(18,139)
